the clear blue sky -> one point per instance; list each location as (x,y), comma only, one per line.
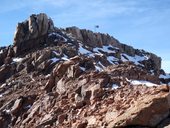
(144,24)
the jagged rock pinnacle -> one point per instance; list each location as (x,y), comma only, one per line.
(32,32)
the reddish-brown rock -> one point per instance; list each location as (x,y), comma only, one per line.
(73,78)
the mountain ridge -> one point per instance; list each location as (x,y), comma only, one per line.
(27,31)
(73,77)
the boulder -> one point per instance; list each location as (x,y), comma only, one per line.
(82,124)
(17,106)
(61,118)
(149,110)
(5,72)
(45,56)
(47,120)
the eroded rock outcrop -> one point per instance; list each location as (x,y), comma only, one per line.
(74,78)
(92,39)
(32,33)
(98,40)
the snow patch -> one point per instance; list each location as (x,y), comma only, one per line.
(3,85)
(55,59)
(91,55)
(57,35)
(70,36)
(1,95)
(143,82)
(82,68)
(65,57)
(136,59)
(101,65)
(166,76)
(111,59)
(28,107)
(17,59)
(47,76)
(105,49)
(83,50)
(1,51)
(152,72)
(99,54)
(98,68)
(57,54)
(7,110)
(115,86)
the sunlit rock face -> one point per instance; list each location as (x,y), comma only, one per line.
(32,33)
(53,77)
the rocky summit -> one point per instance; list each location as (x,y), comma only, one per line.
(74,78)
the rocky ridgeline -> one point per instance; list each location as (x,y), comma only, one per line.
(75,78)
(98,40)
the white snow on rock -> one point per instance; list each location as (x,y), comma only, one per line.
(105,49)
(142,82)
(1,95)
(70,36)
(152,72)
(58,35)
(166,76)
(98,68)
(112,58)
(28,107)
(91,55)
(57,54)
(3,85)
(48,76)
(136,59)
(55,59)
(82,68)
(83,50)
(8,111)
(101,64)
(1,51)
(115,86)
(65,57)
(99,54)
(17,59)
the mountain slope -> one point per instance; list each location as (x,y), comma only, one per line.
(72,77)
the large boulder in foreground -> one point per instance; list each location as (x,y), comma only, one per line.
(32,33)
(147,111)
